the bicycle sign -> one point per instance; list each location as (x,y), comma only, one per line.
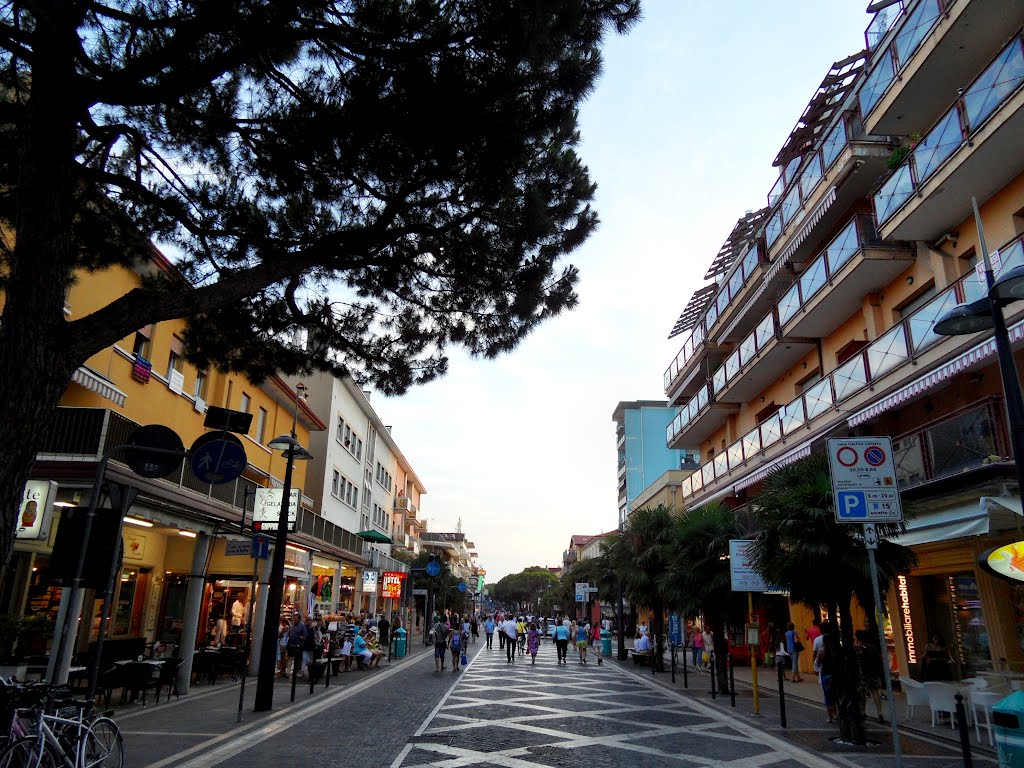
(864,487)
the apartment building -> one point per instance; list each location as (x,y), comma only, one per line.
(818,320)
(642,453)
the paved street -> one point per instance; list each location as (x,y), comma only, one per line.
(499,714)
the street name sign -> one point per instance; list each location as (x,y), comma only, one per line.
(864,488)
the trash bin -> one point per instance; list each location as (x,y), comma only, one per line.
(399,643)
(1008,718)
(606,643)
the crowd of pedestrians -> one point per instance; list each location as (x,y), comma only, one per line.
(362,638)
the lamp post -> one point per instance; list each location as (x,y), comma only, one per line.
(985,313)
(275,588)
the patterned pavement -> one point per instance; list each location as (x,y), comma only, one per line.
(522,714)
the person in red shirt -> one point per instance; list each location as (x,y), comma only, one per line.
(812,632)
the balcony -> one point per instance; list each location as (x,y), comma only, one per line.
(956,444)
(688,371)
(886,363)
(931,44)
(698,419)
(834,284)
(974,149)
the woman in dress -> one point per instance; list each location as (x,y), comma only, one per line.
(533,642)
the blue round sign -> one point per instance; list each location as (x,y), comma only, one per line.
(462,587)
(433,568)
(217,458)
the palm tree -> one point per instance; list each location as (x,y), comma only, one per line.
(699,573)
(822,562)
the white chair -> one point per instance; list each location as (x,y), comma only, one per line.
(976,683)
(983,700)
(941,698)
(916,695)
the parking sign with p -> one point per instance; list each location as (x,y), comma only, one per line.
(864,487)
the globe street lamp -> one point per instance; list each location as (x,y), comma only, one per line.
(987,313)
(293,452)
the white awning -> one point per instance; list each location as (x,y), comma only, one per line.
(787,458)
(972,518)
(101,385)
(805,229)
(968,359)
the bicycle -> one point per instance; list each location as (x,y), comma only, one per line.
(82,741)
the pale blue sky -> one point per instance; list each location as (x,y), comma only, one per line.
(679,135)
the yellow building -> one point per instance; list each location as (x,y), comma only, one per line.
(820,318)
(186,576)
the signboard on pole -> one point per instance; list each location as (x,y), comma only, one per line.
(582,591)
(675,629)
(741,573)
(391,585)
(237,548)
(267,511)
(369,581)
(864,484)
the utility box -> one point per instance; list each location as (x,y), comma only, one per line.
(1008,719)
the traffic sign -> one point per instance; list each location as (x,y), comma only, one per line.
(591,589)
(870,536)
(462,586)
(864,486)
(581,597)
(148,464)
(217,458)
(260,548)
(433,568)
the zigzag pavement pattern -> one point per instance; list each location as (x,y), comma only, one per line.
(522,715)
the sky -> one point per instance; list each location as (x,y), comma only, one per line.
(679,135)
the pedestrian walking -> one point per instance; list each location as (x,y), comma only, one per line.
(501,632)
(793,647)
(509,630)
(455,644)
(533,642)
(489,632)
(581,641)
(521,635)
(561,641)
(439,633)
(709,646)
(474,627)
(696,647)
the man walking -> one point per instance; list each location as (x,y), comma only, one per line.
(510,632)
(440,633)
(489,632)
(561,636)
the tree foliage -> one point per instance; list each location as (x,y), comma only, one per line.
(526,590)
(383,180)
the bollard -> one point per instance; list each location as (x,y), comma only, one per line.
(732,681)
(327,672)
(686,681)
(309,671)
(961,722)
(713,677)
(674,653)
(295,673)
(782,695)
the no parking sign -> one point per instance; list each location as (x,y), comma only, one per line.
(864,485)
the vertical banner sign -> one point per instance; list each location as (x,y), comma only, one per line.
(369,581)
(391,585)
(675,629)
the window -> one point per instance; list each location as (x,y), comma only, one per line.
(349,439)
(335,483)
(849,350)
(202,382)
(344,489)
(261,425)
(175,359)
(246,403)
(143,344)
(384,477)
(921,298)
(763,415)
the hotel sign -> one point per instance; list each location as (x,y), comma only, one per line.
(391,585)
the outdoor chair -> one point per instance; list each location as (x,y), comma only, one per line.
(204,666)
(916,695)
(941,698)
(109,679)
(229,661)
(169,678)
(983,700)
(140,677)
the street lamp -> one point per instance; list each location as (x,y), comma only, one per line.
(986,313)
(293,452)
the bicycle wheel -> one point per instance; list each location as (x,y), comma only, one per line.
(25,753)
(104,746)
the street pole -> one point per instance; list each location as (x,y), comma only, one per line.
(753,656)
(275,588)
(884,655)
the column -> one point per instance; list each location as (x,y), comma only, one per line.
(193,604)
(259,616)
(68,614)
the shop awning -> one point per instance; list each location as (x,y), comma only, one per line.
(101,385)
(972,518)
(787,458)
(374,536)
(973,356)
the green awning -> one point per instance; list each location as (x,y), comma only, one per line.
(375,536)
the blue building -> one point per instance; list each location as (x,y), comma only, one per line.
(640,428)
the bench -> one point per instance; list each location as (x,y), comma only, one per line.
(641,657)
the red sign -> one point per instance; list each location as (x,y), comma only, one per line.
(391,584)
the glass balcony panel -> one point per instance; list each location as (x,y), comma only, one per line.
(752,443)
(915,29)
(1011,256)
(908,456)
(813,278)
(736,454)
(722,302)
(922,322)
(697,335)
(701,398)
(789,304)
(842,247)
(735,283)
(1002,78)
(721,464)
(791,205)
(750,262)
(792,416)
(850,377)
(887,351)
(881,23)
(773,229)
(960,443)
(818,398)
(833,145)
(732,366)
(877,83)
(708,473)
(791,168)
(765,331)
(672,429)
(711,317)
(696,480)
(894,193)
(811,176)
(719,379)
(771,430)
(776,191)
(974,286)
(939,144)
(748,349)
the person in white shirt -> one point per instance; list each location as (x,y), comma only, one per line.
(238,610)
(509,629)
(643,643)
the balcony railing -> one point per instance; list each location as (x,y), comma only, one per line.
(993,87)
(890,61)
(899,345)
(688,413)
(961,442)
(858,234)
(881,23)
(766,331)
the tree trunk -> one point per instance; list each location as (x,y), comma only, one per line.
(658,628)
(844,681)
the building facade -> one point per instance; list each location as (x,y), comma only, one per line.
(819,318)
